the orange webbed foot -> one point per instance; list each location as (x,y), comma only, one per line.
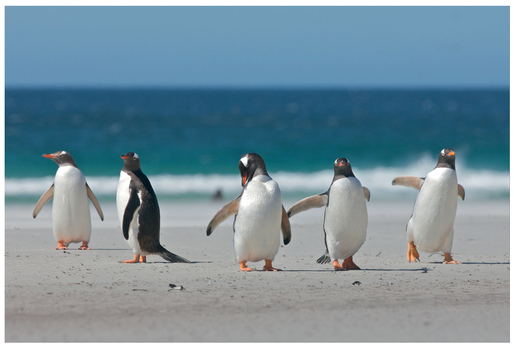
(84,246)
(61,246)
(269,267)
(412,253)
(242,267)
(449,260)
(349,264)
(337,266)
(134,260)
(142,259)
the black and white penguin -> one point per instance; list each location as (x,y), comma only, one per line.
(71,218)
(138,211)
(430,227)
(346,216)
(259,218)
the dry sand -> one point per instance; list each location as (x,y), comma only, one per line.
(89,296)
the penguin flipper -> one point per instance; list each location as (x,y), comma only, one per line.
(324,259)
(461,192)
(367,195)
(286,227)
(315,201)
(93,199)
(43,200)
(132,206)
(227,210)
(409,181)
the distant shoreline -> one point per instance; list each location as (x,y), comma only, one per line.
(455,88)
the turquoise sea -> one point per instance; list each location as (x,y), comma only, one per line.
(190,140)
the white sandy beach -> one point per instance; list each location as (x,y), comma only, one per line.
(85,296)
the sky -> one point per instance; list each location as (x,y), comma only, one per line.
(291,47)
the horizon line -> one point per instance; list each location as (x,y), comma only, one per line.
(259,87)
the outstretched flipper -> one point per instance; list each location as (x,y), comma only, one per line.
(316,201)
(409,181)
(286,227)
(43,200)
(93,199)
(367,195)
(227,210)
(461,192)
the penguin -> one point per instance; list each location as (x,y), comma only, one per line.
(430,228)
(259,215)
(346,216)
(138,211)
(71,218)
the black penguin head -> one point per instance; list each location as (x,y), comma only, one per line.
(132,162)
(251,165)
(342,167)
(446,159)
(62,158)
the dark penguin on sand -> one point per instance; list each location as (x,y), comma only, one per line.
(138,211)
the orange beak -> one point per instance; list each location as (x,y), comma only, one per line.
(49,156)
(452,153)
(245,177)
(125,157)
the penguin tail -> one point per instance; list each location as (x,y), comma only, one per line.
(169,256)
(324,259)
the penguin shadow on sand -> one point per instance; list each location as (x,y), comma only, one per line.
(485,263)
(356,271)
(167,262)
(467,262)
(422,270)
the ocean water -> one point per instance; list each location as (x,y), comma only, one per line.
(190,141)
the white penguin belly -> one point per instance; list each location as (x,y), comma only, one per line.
(346,218)
(122,198)
(70,209)
(258,221)
(431,224)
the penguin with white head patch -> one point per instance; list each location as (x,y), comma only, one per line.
(346,216)
(71,218)
(138,211)
(430,228)
(259,218)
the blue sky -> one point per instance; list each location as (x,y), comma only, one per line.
(257,47)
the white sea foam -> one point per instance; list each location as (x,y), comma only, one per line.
(479,184)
